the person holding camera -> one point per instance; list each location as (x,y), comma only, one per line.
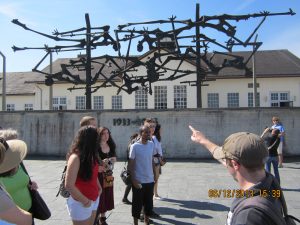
(272,140)
(278,125)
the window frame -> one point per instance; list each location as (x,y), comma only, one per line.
(80,102)
(160,97)
(180,96)
(213,100)
(233,100)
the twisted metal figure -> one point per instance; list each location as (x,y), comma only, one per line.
(164,49)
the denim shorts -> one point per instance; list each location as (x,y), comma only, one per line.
(78,212)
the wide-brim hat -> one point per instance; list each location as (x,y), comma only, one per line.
(14,155)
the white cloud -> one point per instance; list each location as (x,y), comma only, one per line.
(288,39)
(9,10)
(245,4)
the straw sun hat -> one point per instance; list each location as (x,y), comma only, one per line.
(14,153)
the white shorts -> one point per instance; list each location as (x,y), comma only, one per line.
(78,212)
(279,149)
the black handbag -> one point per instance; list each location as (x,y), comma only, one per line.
(125,176)
(39,208)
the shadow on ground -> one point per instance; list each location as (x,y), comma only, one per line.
(186,211)
(198,205)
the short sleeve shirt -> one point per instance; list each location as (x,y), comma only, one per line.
(142,154)
(280,128)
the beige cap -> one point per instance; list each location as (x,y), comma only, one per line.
(246,148)
(14,155)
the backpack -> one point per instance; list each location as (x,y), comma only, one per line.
(266,206)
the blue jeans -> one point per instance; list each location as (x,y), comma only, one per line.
(273,160)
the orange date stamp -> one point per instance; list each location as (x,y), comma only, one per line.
(240,193)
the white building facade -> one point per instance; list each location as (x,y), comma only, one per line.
(278,85)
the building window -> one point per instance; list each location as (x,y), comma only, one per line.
(98,102)
(213,100)
(10,107)
(233,100)
(280,99)
(59,103)
(28,107)
(141,99)
(250,99)
(160,97)
(180,99)
(80,102)
(116,102)
(250,85)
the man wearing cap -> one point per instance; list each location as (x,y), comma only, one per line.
(8,210)
(244,155)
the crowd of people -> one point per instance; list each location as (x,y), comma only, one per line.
(90,163)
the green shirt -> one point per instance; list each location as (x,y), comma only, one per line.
(17,186)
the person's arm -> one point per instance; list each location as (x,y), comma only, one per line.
(200,138)
(113,159)
(159,148)
(71,176)
(131,161)
(135,183)
(99,186)
(265,131)
(16,216)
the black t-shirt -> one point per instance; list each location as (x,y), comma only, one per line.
(272,143)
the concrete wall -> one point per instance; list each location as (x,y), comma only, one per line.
(51,133)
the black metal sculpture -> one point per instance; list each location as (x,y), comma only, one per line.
(167,50)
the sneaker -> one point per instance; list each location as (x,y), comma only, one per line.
(126,201)
(103,221)
(154,215)
(158,198)
(142,217)
(280,166)
(150,222)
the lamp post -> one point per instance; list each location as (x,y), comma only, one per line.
(3,83)
(255,100)
(51,87)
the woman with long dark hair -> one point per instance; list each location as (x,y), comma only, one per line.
(82,176)
(107,153)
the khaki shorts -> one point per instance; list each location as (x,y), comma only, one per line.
(279,149)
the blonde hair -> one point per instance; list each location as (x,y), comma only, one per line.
(9,134)
(85,121)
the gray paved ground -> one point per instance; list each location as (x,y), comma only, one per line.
(184,185)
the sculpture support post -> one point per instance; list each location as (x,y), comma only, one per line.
(3,83)
(51,86)
(255,100)
(88,91)
(198,58)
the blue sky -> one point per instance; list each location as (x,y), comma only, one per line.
(281,32)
